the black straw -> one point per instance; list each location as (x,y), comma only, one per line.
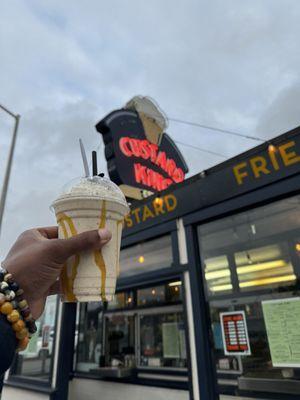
(94,160)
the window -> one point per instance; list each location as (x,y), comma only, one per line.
(251,264)
(36,360)
(162,340)
(121,300)
(142,328)
(217,274)
(159,294)
(120,340)
(264,267)
(147,256)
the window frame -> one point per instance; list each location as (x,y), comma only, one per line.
(35,383)
(279,190)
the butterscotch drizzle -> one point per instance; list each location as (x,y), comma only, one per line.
(120,222)
(99,260)
(68,282)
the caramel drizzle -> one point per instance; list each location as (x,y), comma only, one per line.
(68,282)
(99,260)
(118,244)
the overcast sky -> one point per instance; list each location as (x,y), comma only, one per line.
(65,64)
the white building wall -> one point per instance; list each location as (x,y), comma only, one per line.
(11,393)
(89,389)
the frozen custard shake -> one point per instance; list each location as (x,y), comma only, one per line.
(87,204)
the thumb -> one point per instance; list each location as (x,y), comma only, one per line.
(90,240)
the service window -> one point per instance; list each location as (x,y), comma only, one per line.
(36,361)
(141,329)
(162,339)
(251,265)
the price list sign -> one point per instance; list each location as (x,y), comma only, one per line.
(235,333)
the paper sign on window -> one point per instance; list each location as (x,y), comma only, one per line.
(282,319)
(235,333)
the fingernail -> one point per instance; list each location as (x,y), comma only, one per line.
(104,234)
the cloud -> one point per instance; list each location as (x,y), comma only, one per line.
(64,65)
(282,114)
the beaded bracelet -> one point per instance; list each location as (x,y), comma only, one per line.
(16,309)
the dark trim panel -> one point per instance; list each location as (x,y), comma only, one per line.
(150,277)
(66,350)
(22,384)
(259,197)
(204,350)
(148,233)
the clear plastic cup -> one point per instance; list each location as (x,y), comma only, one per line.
(86,204)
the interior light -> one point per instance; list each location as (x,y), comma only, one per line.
(177,283)
(222,273)
(153,291)
(220,288)
(158,201)
(141,259)
(249,258)
(261,266)
(297,246)
(253,229)
(268,281)
(129,300)
(272,148)
(176,288)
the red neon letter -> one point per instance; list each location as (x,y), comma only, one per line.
(153,151)
(140,173)
(123,144)
(145,151)
(161,160)
(178,175)
(170,168)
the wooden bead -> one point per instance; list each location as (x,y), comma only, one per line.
(20,292)
(6,308)
(23,304)
(4,286)
(8,278)
(10,295)
(2,299)
(18,326)
(14,303)
(14,316)
(23,343)
(22,334)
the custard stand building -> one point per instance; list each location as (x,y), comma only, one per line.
(207,302)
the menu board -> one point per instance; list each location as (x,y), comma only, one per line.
(235,333)
(282,319)
(171,344)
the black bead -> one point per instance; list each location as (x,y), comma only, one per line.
(2,276)
(31,326)
(14,286)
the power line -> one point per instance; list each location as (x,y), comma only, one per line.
(181,121)
(200,149)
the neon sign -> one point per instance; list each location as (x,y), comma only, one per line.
(134,158)
(138,148)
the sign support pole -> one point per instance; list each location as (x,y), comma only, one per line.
(9,162)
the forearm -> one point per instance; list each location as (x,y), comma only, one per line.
(8,344)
